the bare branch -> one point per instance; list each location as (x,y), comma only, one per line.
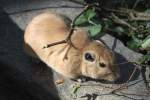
(68,39)
(120,21)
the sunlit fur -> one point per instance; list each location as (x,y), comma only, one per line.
(49,28)
(102,55)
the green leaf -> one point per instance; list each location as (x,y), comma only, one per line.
(145,58)
(82,1)
(133,45)
(81,20)
(95,30)
(108,22)
(147,11)
(86,17)
(146,43)
(75,88)
(148,25)
(135,38)
(119,29)
(90,14)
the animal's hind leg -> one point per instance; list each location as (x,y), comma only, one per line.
(29,51)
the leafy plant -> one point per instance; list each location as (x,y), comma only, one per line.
(146,43)
(137,32)
(88,18)
(145,58)
(94,30)
(74,89)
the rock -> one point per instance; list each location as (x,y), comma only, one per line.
(38,80)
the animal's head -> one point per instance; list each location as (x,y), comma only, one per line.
(98,62)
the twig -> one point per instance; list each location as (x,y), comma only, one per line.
(125,84)
(109,87)
(120,21)
(139,16)
(113,10)
(135,4)
(56,43)
(135,68)
(68,39)
(136,94)
(135,15)
(135,63)
(131,14)
(143,71)
(130,77)
(126,96)
(135,83)
(144,78)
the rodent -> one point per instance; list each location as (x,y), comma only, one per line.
(92,59)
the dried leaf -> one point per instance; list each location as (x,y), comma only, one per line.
(59,81)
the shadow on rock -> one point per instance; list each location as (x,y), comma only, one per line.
(18,78)
(126,70)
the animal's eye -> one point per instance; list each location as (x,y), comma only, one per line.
(102,65)
(89,57)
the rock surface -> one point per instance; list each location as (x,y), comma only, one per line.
(37,81)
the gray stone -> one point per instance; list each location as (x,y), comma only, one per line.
(38,80)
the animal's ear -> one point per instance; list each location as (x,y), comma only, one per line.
(80,38)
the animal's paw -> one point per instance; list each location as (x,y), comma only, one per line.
(81,79)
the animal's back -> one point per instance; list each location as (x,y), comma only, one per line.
(90,58)
(49,28)
(45,29)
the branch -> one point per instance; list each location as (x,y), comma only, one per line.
(135,63)
(143,71)
(120,21)
(136,94)
(130,14)
(135,4)
(126,96)
(68,39)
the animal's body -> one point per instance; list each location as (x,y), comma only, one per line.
(91,59)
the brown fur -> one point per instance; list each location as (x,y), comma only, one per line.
(49,28)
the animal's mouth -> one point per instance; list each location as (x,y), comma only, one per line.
(110,77)
(105,81)
(102,79)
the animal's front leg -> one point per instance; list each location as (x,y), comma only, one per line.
(80,79)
